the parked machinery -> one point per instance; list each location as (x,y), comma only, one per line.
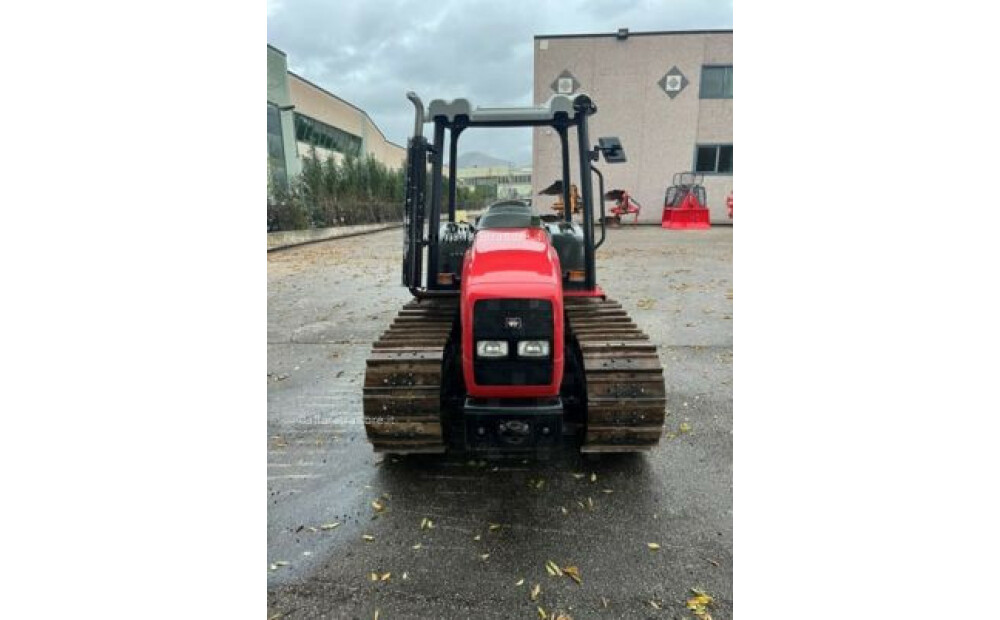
(509,344)
(556,190)
(625,205)
(685,205)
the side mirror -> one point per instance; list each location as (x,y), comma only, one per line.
(612,149)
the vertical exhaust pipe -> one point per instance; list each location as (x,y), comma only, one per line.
(418,124)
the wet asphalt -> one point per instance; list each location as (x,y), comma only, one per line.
(495,522)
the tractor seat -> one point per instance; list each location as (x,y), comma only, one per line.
(509,214)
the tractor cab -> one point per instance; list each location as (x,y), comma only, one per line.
(432,264)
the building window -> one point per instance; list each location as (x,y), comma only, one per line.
(321,135)
(717,82)
(714,158)
(275,147)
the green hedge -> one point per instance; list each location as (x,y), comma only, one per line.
(358,190)
(355,191)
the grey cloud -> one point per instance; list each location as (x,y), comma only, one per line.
(371,53)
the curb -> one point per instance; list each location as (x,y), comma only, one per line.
(334,238)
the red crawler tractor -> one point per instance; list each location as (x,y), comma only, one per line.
(685,205)
(508,344)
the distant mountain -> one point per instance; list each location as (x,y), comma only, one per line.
(481,160)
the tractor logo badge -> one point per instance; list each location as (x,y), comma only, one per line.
(513,322)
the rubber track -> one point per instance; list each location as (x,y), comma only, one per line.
(626,394)
(402,391)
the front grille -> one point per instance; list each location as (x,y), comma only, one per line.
(513,372)
(512,320)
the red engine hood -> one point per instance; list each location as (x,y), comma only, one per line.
(512,256)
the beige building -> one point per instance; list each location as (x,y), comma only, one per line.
(667,95)
(302,115)
(336,127)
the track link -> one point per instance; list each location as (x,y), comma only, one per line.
(402,391)
(626,395)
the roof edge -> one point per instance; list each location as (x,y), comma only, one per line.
(630,34)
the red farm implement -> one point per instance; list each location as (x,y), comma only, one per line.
(625,205)
(685,205)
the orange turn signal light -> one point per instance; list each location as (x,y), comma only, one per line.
(576,276)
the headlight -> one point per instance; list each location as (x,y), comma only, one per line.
(533,348)
(491,348)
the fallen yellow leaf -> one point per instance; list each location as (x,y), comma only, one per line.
(417,546)
(329,526)
(653,546)
(553,569)
(593,477)
(378,506)
(368,537)
(685,427)
(520,582)
(578,476)
(654,604)
(574,573)
(494,527)
(373,576)
(698,604)
(484,556)
(541,614)
(535,591)
(477,537)
(385,577)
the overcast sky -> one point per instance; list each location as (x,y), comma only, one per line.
(371,53)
